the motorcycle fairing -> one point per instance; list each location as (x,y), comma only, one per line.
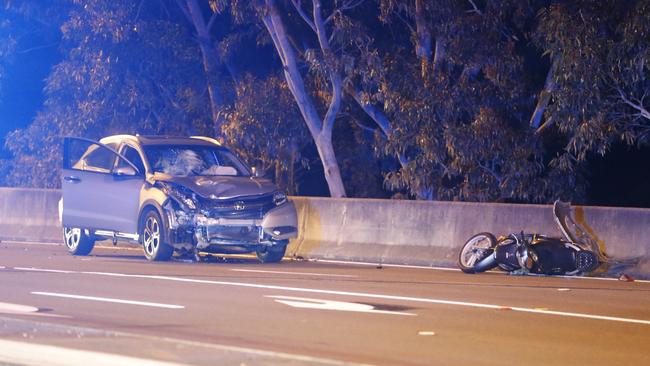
(571,230)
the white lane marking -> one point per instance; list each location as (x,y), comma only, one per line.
(374,264)
(387,265)
(32,269)
(17,309)
(31,242)
(371,295)
(176,342)
(293,273)
(458,270)
(27,354)
(7,308)
(108,299)
(318,304)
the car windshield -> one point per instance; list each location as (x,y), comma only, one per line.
(194,160)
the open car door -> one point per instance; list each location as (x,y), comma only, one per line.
(101,188)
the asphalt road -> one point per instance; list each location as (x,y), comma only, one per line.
(240,312)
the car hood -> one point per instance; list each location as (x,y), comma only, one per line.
(221,187)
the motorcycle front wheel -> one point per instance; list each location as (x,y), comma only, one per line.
(477,254)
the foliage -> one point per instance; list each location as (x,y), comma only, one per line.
(603,75)
(438,96)
(462,124)
(266,129)
(114,79)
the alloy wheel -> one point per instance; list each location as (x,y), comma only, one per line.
(72,237)
(151,235)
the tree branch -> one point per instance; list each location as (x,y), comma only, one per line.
(335,78)
(185,10)
(642,111)
(298,5)
(212,20)
(544,97)
(475,8)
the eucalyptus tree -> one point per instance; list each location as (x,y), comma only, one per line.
(114,78)
(601,79)
(203,16)
(325,24)
(460,105)
(265,127)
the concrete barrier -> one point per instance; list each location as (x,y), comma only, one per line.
(384,231)
(30,214)
(431,233)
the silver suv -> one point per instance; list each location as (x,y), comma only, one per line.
(171,194)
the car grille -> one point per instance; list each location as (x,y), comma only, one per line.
(249,207)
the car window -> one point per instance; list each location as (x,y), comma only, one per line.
(89,156)
(100,159)
(133,156)
(194,160)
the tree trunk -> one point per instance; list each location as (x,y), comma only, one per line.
(291,174)
(321,131)
(423,37)
(210,59)
(439,55)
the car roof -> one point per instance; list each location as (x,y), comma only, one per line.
(162,140)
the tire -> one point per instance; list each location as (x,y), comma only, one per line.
(272,254)
(77,242)
(154,238)
(476,255)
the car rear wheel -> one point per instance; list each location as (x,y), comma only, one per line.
(77,242)
(273,253)
(154,241)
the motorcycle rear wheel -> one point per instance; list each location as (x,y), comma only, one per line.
(477,253)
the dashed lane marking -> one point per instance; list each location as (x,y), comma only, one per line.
(32,242)
(108,299)
(316,260)
(387,265)
(292,273)
(369,295)
(32,269)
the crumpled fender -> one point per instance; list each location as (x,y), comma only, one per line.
(281,222)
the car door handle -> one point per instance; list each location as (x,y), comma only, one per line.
(72,179)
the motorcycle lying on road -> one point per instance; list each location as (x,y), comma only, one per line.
(576,253)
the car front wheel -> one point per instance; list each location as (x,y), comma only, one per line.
(272,254)
(153,238)
(76,241)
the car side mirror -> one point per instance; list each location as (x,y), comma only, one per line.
(125,171)
(258,172)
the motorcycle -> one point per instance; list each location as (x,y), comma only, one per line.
(519,253)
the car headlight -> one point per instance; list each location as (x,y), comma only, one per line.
(279,198)
(179,193)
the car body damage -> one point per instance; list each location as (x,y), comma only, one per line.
(227,220)
(172,195)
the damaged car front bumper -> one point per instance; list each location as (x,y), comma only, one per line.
(231,231)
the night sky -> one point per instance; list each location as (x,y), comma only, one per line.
(22,87)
